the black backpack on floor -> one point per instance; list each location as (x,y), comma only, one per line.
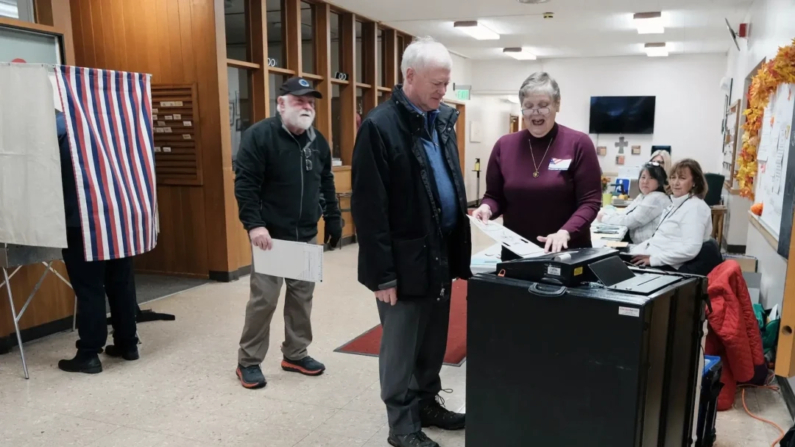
(789,438)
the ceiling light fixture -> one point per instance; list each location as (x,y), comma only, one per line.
(519,53)
(649,23)
(658,49)
(474,29)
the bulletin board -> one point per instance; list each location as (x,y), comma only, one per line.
(775,145)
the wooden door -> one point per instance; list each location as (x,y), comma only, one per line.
(513,125)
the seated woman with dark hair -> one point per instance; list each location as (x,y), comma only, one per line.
(684,226)
(642,214)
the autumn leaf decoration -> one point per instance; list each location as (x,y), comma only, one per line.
(780,70)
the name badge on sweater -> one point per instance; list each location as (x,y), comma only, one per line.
(559,164)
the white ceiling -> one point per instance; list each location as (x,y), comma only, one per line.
(580,28)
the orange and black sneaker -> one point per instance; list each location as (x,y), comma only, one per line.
(251,377)
(306,366)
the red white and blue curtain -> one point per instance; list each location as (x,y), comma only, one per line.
(109,125)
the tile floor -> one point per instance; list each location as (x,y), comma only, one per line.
(183,391)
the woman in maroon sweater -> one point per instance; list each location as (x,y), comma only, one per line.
(545,180)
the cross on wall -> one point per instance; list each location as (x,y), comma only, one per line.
(622,143)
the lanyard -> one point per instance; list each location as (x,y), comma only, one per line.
(669,214)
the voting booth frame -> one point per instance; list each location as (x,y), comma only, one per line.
(16,258)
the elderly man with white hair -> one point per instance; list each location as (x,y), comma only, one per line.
(282,168)
(409,207)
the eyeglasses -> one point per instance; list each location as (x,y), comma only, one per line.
(543,111)
(308,158)
(653,163)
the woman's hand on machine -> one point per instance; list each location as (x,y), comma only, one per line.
(556,242)
(641,260)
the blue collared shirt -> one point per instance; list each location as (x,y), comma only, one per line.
(444,182)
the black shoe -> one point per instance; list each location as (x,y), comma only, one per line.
(125,353)
(306,366)
(251,377)
(418,439)
(83,362)
(434,414)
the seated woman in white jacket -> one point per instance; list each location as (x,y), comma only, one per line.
(642,215)
(684,226)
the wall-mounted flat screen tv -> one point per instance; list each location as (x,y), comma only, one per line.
(622,114)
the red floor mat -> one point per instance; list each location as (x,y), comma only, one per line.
(369,343)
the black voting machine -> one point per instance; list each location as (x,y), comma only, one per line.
(580,350)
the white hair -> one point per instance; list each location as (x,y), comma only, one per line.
(540,82)
(425,52)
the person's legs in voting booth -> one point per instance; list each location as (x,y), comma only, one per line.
(298,329)
(120,288)
(87,279)
(254,341)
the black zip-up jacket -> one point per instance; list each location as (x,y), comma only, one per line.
(395,204)
(273,187)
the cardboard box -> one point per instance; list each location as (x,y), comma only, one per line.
(747,263)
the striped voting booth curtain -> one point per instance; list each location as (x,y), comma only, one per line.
(109,124)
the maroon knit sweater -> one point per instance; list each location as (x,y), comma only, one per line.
(566,199)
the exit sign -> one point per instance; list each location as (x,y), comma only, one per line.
(462,95)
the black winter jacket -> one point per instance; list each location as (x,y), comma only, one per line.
(273,187)
(395,205)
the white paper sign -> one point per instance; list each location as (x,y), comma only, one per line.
(292,260)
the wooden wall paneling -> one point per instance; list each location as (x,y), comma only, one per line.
(56,13)
(43,12)
(53,301)
(461,132)
(292,31)
(370,69)
(183,235)
(322,37)
(220,196)
(258,35)
(391,58)
(348,92)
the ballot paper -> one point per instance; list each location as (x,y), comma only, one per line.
(291,260)
(508,239)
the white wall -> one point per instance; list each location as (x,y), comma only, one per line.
(461,74)
(492,115)
(689,100)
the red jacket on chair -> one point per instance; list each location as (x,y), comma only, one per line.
(733,331)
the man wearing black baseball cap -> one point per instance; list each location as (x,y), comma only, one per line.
(283,183)
(297,86)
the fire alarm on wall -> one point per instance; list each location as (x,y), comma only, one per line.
(549,15)
(743,31)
